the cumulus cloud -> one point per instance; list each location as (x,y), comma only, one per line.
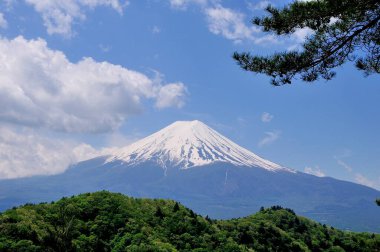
(270,137)
(23,152)
(231,25)
(314,171)
(27,152)
(41,88)
(59,16)
(266,117)
(171,95)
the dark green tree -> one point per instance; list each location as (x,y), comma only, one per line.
(343,30)
(159,213)
(176,207)
(378,202)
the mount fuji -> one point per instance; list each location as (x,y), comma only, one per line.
(189,144)
(192,163)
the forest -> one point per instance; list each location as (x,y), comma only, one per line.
(105,221)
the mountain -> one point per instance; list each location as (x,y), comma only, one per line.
(192,163)
(185,145)
(104,221)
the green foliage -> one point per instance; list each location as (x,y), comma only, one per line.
(105,221)
(346,30)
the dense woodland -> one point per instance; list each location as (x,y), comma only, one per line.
(105,221)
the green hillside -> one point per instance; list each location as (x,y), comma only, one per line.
(105,221)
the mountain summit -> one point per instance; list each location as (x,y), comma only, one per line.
(187,144)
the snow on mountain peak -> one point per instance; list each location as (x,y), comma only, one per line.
(188,144)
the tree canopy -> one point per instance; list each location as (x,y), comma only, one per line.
(344,30)
(106,221)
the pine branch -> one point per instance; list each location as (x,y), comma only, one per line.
(332,44)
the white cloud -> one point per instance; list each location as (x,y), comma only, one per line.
(221,21)
(300,34)
(229,23)
(41,88)
(343,164)
(3,22)
(270,137)
(171,95)
(258,6)
(339,159)
(105,48)
(156,29)
(359,178)
(226,22)
(27,152)
(314,171)
(59,16)
(266,117)
(333,20)
(299,37)
(182,4)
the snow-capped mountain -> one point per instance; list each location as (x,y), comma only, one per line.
(187,144)
(194,164)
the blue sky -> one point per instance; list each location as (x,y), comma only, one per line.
(78,78)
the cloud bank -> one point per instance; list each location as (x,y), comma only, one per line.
(44,96)
(27,152)
(24,152)
(41,88)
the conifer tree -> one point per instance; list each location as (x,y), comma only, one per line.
(343,30)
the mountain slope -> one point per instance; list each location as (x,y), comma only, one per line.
(106,221)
